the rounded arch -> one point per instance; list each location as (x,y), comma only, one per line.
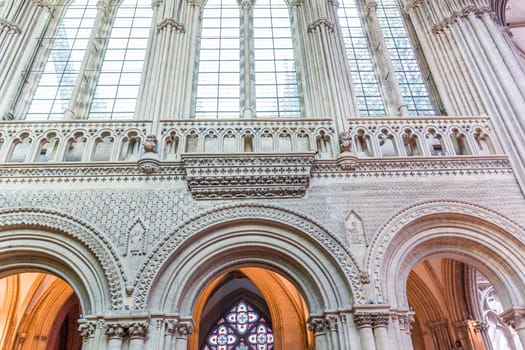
(477,236)
(236,236)
(57,243)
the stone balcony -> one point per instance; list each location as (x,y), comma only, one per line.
(247,158)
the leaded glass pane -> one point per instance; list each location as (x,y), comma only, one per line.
(407,70)
(219,65)
(275,75)
(241,328)
(118,83)
(56,83)
(364,78)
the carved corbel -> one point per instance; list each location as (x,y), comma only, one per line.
(149,163)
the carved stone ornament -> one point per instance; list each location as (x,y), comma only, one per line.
(138,329)
(371,319)
(94,242)
(321,23)
(217,176)
(87,330)
(514,317)
(170,24)
(8,27)
(355,229)
(318,325)
(345,142)
(149,163)
(116,329)
(184,329)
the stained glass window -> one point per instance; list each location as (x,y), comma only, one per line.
(57,80)
(241,328)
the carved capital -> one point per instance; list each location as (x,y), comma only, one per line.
(138,329)
(8,27)
(412,5)
(116,329)
(246,4)
(170,327)
(371,4)
(320,24)
(318,325)
(371,319)
(170,24)
(87,330)
(184,329)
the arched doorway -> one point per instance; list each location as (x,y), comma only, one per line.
(278,316)
(456,307)
(38,311)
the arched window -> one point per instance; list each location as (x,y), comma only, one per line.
(242,327)
(77,47)
(366,86)
(59,73)
(246,65)
(119,80)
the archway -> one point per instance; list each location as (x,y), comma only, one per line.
(275,298)
(38,311)
(462,233)
(456,307)
(256,242)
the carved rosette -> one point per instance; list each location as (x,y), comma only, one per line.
(87,330)
(138,329)
(116,330)
(318,325)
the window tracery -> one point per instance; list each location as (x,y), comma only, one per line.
(241,328)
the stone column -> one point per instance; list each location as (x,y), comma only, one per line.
(137,331)
(87,332)
(515,317)
(247,59)
(395,104)
(170,328)
(320,327)
(183,331)
(116,332)
(380,323)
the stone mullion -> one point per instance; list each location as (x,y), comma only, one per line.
(350,105)
(93,56)
(395,104)
(187,106)
(247,85)
(19,51)
(316,73)
(302,55)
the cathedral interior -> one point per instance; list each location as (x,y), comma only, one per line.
(262,174)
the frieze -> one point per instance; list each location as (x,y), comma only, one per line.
(248,175)
(97,243)
(161,253)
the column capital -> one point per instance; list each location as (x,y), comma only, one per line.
(116,330)
(184,329)
(318,325)
(8,27)
(373,315)
(87,330)
(321,23)
(170,327)
(170,24)
(138,329)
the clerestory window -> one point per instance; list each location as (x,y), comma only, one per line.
(82,57)
(246,65)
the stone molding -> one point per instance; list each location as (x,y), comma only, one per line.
(371,319)
(170,24)
(8,27)
(216,176)
(320,24)
(397,222)
(147,272)
(95,242)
